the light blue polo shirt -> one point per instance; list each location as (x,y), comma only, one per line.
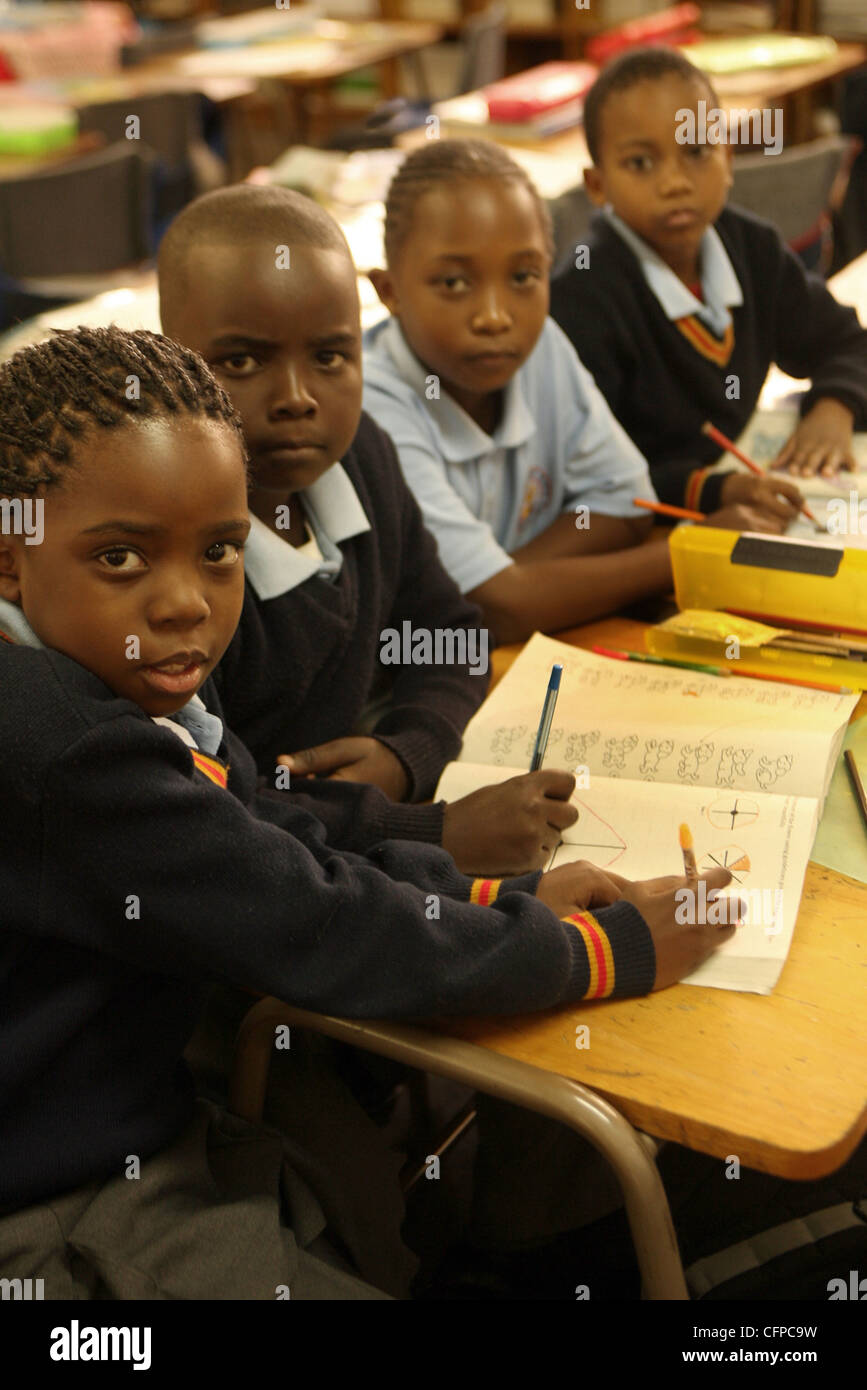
(483,495)
(720,285)
(334,512)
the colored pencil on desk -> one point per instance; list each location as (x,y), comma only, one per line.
(665,509)
(662,661)
(856,782)
(547,715)
(790,680)
(719,438)
(690,867)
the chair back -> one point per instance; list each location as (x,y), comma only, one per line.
(791,189)
(89,216)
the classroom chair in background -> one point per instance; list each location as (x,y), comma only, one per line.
(71,232)
(171,125)
(570,215)
(797,190)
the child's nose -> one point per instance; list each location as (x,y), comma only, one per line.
(178,601)
(292,395)
(491,314)
(675,175)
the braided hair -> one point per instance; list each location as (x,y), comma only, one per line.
(84,379)
(443,161)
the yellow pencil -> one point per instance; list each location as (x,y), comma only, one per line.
(690,867)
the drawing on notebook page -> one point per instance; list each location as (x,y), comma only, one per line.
(730,811)
(578,746)
(770,770)
(692,758)
(603,845)
(732,764)
(732,857)
(616,752)
(656,750)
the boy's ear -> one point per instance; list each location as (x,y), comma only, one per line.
(594,184)
(10,587)
(383,282)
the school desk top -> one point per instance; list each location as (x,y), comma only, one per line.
(779,1081)
(736,91)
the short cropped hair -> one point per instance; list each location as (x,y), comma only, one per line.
(440,162)
(235,216)
(636,65)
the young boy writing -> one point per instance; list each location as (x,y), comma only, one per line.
(522,473)
(260,281)
(144,863)
(683,303)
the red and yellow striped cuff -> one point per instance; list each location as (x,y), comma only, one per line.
(213,769)
(694,485)
(600,956)
(484,890)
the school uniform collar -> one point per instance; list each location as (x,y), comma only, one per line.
(460,439)
(193,723)
(334,511)
(719,282)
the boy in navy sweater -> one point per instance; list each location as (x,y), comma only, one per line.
(145,863)
(261,283)
(682,305)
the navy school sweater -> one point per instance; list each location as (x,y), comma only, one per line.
(662,389)
(129,879)
(303,666)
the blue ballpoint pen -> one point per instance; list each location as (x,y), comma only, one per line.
(547,716)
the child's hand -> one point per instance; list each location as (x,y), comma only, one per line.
(822,442)
(741,517)
(573,887)
(774,498)
(681,948)
(352,760)
(510,828)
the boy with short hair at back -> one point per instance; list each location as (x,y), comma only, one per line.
(145,863)
(681,304)
(260,281)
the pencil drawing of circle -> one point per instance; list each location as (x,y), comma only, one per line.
(732,812)
(731,857)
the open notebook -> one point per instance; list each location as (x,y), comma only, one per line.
(746,764)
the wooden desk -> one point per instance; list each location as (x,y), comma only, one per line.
(343,48)
(792,87)
(780,1081)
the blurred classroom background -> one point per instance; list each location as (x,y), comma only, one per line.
(113,116)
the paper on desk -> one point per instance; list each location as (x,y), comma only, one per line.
(661,724)
(631,828)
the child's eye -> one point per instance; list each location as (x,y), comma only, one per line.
(699,151)
(640,163)
(224,553)
(239,364)
(331,358)
(115,560)
(452,282)
(527,276)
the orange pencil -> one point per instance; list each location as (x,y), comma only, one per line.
(719,438)
(689,865)
(665,509)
